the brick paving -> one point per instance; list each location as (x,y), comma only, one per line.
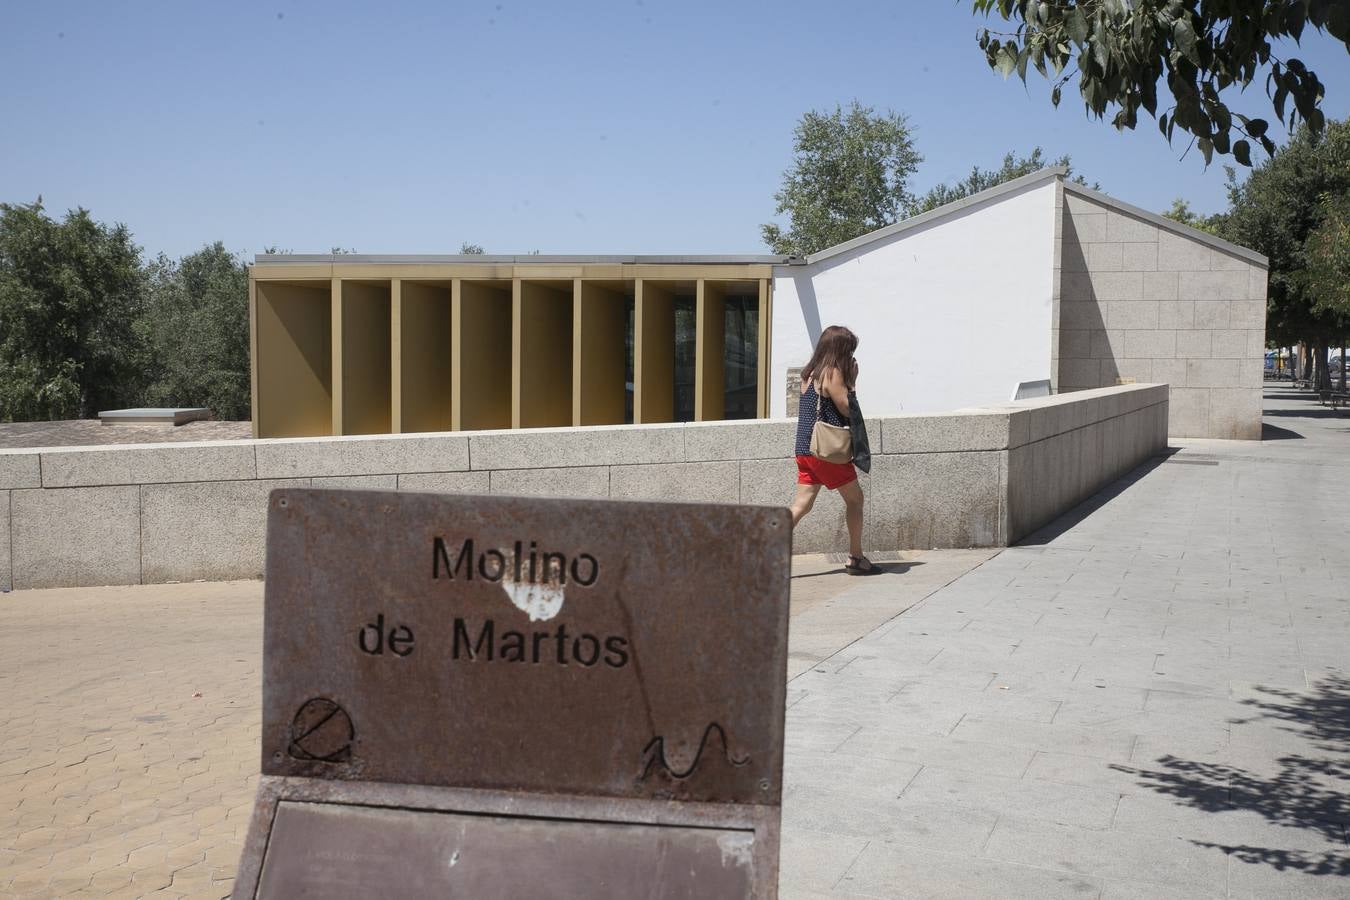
(91,432)
(129,748)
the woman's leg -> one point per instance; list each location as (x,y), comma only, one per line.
(803,500)
(853,515)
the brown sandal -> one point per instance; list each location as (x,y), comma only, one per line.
(868,569)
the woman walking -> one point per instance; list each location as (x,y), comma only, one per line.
(826,381)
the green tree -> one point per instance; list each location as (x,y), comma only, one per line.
(69,293)
(849,175)
(196,332)
(1326,272)
(1275,212)
(983,179)
(471,249)
(1121,49)
(1181,211)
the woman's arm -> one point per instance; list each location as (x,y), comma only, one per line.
(834,387)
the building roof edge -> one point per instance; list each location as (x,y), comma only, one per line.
(366,259)
(1171,225)
(946,209)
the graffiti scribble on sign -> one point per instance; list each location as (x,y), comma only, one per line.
(655,754)
(321,732)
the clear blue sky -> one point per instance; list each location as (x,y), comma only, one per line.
(638,126)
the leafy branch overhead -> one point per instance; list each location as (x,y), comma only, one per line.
(1121,50)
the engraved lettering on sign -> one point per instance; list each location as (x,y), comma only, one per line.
(654,754)
(322,732)
(559,647)
(525,565)
(372,638)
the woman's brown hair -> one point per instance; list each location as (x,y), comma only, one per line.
(834,350)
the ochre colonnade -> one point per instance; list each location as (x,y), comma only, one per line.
(374,349)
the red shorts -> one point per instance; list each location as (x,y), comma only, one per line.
(817,471)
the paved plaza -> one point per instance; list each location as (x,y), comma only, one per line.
(1148,699)
(93,433)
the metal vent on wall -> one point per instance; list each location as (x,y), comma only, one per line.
(1028,389)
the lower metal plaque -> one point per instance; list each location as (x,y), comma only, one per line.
(331,851)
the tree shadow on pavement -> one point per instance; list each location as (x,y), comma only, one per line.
(1307,790)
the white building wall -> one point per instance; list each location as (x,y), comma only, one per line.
(949,313)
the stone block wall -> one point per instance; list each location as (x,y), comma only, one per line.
(794,390)
(1077,453)
(181,512)
(1140,302)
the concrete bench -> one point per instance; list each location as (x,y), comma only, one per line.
(154,415)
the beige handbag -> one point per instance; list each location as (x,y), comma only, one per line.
(832,443)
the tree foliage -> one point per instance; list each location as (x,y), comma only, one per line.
(469,249)
(84,326)
(849,175)
(1121,49)
(69,293)
(1326,271)
(1276,211)
(983,179)
(195,332)
(1181,211)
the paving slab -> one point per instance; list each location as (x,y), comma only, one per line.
(890,870)
(1149,696)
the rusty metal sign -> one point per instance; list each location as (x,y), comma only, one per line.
(508,652)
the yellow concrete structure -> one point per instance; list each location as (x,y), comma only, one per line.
(376,345)
(480,369)
(599,349)
(362,328)
(709,358)
(292,357)
(654,352)
(541,358)
(421,316)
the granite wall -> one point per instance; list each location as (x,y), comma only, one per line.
(181,512)
(1139,301)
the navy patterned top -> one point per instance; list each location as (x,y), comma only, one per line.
(806,417)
